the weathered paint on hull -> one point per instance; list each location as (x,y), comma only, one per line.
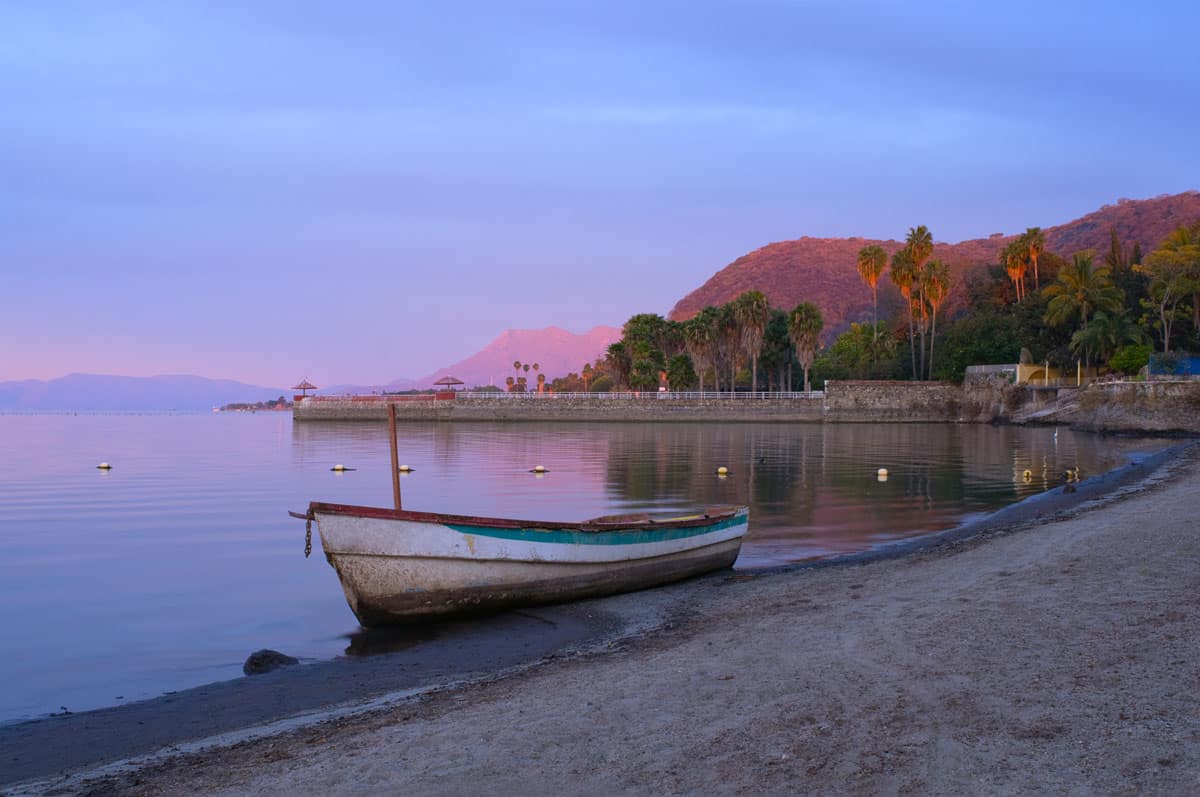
(451,587)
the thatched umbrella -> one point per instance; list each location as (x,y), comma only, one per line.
(305,386)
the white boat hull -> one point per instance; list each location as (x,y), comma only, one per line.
(392,569)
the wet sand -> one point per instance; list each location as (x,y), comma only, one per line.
(1053,654)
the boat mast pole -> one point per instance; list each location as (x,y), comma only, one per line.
(395,453)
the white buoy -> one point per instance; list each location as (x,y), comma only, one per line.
(539,469)
(882,473)
(1027,475)
(104,466)
(340,468)
(722,471)
(405,469)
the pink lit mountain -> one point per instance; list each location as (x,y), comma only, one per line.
(556,351)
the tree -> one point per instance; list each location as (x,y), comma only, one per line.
(1174,272)
(935,287)
(1035,243)
(697,337)
(1130,359)
(904,277)
(1104,335)
(586,375)
(680,374)
(777,350)
(1080,290)
(1015,265)
(752,311)
(616,363)
(511,383)
(728,342)
(855,354)
(541,382)
(804,328)
(872,260)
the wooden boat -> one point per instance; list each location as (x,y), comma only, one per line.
(396,565)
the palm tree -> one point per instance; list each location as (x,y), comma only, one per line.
(920,245)
(586,376)
(1035,243)
(1080,290)
(804,328)
(872,260)
(1015,264)
(617,363)
(697,338)
(728,342)
(935,287)
(541,382)
(752,311)
(904,277)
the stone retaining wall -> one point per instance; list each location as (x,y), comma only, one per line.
(1172,407)
(896,402)
(552,408)
(1105,407)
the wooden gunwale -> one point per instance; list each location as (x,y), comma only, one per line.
(707,518)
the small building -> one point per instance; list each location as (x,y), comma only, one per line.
(1034,374)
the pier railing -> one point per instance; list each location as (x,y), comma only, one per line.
(663,395)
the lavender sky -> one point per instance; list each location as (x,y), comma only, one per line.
(361,191)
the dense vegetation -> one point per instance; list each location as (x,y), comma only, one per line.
(1104,311)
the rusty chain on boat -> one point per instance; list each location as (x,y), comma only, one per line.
(308,518)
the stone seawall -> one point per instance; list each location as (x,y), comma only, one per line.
(1132,407)
(895,402)
(555,408)
(844,402)
(1125,407)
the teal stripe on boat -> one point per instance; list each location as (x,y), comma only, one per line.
(576,537)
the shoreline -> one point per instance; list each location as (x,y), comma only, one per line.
(596,630)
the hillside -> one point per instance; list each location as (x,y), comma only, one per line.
(822,270)
(557,352)
(124,393)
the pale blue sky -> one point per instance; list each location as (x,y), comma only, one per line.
(363,191)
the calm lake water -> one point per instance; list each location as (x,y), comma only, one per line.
(167,571)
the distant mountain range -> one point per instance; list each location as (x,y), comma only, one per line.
(822,270)
(556,351)
(100,392)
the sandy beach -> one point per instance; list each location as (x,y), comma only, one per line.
(1051,656)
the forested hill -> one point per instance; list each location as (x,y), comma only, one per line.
(822,270)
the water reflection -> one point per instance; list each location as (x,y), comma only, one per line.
(376,641)
(188,545)
(812,488)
